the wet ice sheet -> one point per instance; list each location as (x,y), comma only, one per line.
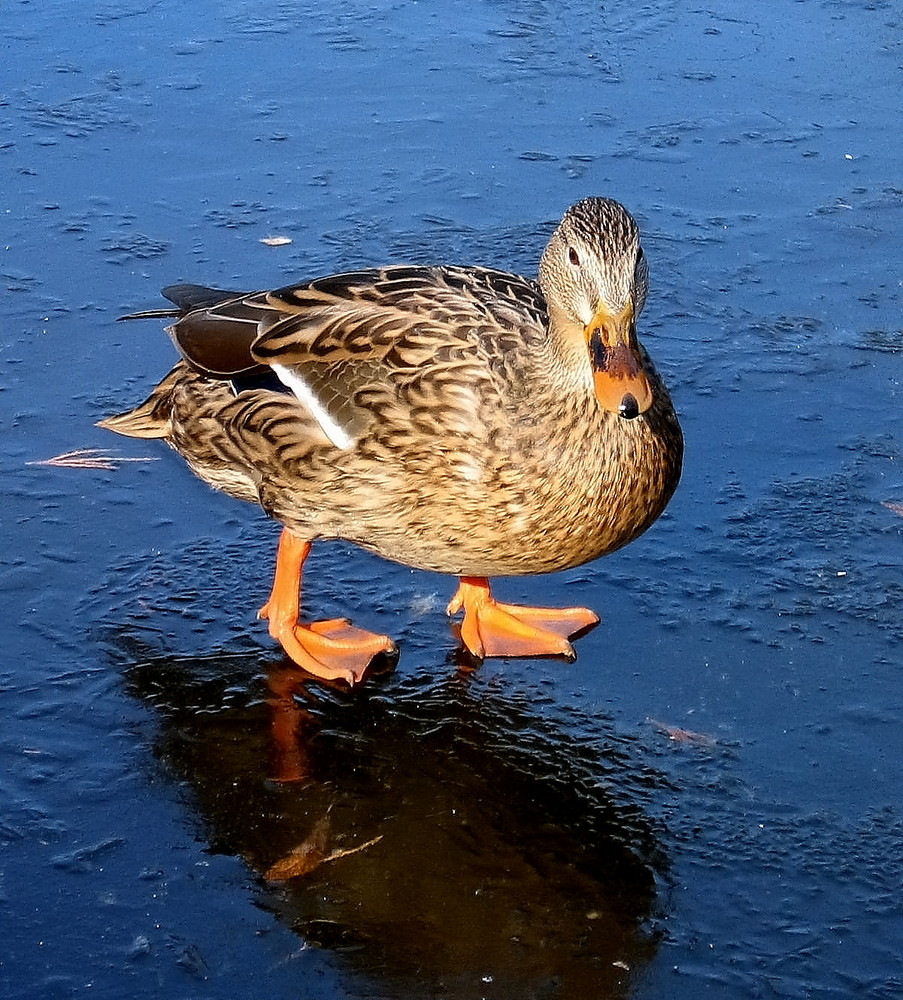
(146,144)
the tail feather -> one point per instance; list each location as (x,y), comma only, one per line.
(151,314)
(152,418)
(142,422)
(184,298)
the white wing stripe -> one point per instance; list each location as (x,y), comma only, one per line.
(334,431)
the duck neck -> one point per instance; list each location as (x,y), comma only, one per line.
(567,342)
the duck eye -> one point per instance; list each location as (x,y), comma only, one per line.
(573,257)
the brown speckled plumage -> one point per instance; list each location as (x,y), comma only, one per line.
(462,431)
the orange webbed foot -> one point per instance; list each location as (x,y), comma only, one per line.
(491,628)
(334,649)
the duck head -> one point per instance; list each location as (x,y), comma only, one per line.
(594,277)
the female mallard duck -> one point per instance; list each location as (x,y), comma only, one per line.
(456,419)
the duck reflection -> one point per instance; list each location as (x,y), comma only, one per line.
(443,838)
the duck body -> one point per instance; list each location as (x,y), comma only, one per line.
(454,419)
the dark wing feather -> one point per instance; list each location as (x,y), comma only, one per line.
(215,332)
(343,334)
(377,313)
(188,297)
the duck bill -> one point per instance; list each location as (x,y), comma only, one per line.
(620,382)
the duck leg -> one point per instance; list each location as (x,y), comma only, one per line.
(493,629)
(334,649)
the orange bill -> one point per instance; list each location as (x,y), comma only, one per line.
(620,381)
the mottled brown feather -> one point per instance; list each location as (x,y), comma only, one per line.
(479,447)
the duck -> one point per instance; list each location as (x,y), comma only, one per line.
(456,419)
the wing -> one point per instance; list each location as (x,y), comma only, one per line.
(215,329)
(397,343)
